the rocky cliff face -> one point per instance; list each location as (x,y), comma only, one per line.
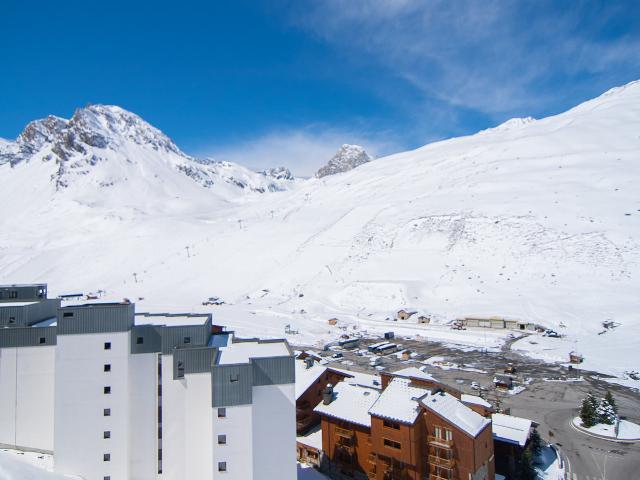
(346,158)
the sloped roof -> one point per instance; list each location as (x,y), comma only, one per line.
(456,412)
(305,377)
(399,401)
(511,429)
(350,403)
(413,372)
(475,399)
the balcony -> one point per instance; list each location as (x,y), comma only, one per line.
(433,476)
(343,432)
(447,463)
(441,442)
(372,458)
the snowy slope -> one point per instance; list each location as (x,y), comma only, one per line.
(537,220)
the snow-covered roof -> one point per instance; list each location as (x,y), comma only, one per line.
(313,438)
(456,412)
(15,304)
(350,403)
(241,352)
(399,401)
(360,378)
(305,377)
(475,399)
(510,429)
(413,372)
(170,319)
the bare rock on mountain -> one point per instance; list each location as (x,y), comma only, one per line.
(346,158)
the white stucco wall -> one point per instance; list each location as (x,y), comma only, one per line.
(79,402)
(274,432)
(173,422)
(8,391)
(143,413)
(198,418)
(35,397)
(238,427)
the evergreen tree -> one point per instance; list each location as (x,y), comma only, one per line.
(525,470)
(606,413)
(609,398)
(536,443)
(588,411)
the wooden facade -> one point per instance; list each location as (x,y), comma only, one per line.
(305,416)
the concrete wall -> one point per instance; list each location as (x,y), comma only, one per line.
(79,402)
(173,422)
(27,397)
(274,432)
(238,427)
(198,420)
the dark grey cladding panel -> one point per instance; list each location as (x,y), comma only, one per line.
(36,291)
(26,315)
(146,339)
(189,335)
(231,385)
(27,337)
(274,370)
(95,318)
(192,360)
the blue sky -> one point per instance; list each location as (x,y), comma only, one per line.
(288,81)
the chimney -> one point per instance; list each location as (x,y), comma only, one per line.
(308,362)
(327,395)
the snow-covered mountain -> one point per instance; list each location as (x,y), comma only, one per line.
(103,148)
(538,221)
(346,158)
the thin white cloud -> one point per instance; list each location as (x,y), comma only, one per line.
(303,150)
(492,56)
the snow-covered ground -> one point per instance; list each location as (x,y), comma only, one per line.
(626,430)
(535,220)
(18,465)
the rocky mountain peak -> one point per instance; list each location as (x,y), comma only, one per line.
(346,158)
(278,173)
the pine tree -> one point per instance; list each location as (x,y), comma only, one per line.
(588,411)
(536,443)
(525,470)
(606,413)
(609,398)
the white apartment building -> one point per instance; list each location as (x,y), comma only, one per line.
(118,395)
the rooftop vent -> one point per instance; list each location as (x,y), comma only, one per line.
(308,362)
(327,395)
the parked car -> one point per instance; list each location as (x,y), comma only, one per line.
(337,355)
(475,386)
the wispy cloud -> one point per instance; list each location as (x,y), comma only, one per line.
(302,150)
(493,56)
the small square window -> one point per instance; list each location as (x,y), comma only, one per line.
(139,341)
(42,340)
(187,339)
(222,466)
(106,412)
(106,457)
(12,319)
(107,390)
(106,434)
(106,477)
(222,412)
(234,377)
(107,367)
(107,345)
(222,439)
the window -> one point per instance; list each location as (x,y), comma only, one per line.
(390,424)
(392,444)
(106,434)
(106,412)
(107,390)
(180,370)
(13,294)
(106,477)
(437,432)
(106,457)
(234,377)
(12,319)
(107,345)
(139,341)
(222,412)
(222,466)
(222,439)
(448,434)
(187,339)
(107,367)
(67,314)
(42,340)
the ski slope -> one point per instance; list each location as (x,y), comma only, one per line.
(534,219)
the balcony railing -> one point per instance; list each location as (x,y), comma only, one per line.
(447,463)
(343,432)
(433,476)
(372,458)
(443,442)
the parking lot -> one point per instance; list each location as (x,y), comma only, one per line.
(551,396)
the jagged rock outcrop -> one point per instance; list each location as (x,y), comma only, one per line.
(346,158)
